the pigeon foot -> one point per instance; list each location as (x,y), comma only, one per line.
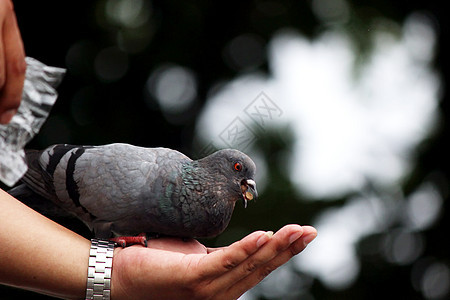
(125,241)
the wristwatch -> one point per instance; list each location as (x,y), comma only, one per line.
(100,269)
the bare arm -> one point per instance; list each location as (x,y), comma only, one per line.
(38,254)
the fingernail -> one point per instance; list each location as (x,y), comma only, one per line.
(295,236)
(7,116)
(264,238)
(269,234)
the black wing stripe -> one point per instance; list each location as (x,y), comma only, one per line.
(71,184)
(58,152)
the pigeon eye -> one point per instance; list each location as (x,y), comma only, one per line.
(237,166)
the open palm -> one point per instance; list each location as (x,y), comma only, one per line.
(171,268)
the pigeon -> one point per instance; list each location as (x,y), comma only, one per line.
(125,190)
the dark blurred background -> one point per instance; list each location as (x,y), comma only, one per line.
(159,73)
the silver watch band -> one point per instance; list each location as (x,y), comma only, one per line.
(100,269)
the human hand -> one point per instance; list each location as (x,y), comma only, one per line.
(12,62)
(175,269)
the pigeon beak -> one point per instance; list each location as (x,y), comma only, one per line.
(248,188)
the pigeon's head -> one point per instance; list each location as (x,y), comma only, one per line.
(239,171)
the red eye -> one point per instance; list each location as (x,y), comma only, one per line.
(237,166)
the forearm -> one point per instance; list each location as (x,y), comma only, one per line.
(38,254)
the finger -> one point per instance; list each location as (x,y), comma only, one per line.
(263,271)
(14,62)
(222,260)
(309,233)
(15,67)
(276,245)
(3,12)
